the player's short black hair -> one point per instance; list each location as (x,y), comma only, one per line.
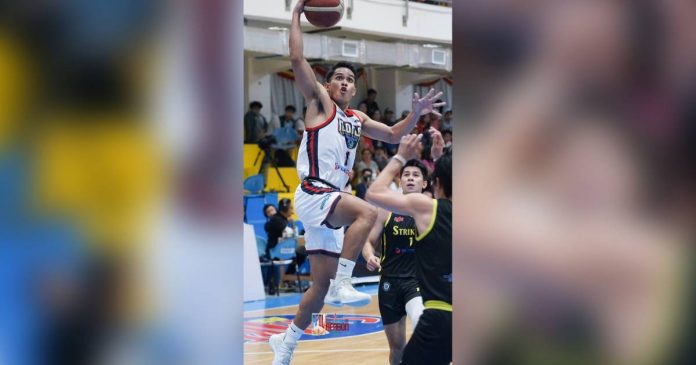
(284,205)
(419,165)
(341,64)
(443,173)
(290,107)
(255,104)
(371,91)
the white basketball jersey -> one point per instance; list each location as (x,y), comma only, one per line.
(328,150)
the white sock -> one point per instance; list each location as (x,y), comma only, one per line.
(345,269)
(414,309)
(293,333)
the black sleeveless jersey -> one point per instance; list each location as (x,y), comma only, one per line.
(398,250)
(434,255)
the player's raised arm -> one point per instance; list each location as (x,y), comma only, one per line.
(420,106)
(418,206)
(305,79)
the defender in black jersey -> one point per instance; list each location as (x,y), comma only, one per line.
(399,294)
(431,342)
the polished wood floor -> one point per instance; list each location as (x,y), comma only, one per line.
(364,350)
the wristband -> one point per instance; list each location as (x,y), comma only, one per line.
(400,159)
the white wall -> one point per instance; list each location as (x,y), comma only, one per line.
(385,84)
(404,88)
(258,81)
(375,17)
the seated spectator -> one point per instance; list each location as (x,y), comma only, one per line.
(300,125)
(362,107)
(376,115)
(371,101)
(365,182)
(368,163)
(396,184)
(287,122)
(388,118)
(435,122)
(277,225)
(269,210)
(381,157)
(427,160)
(446,124)
(423,123)
(255,124)
(447,136)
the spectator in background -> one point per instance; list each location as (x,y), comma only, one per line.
(376,115)
(363,107)
(396,184)
(435,122)
(367,162)
(300,125)
(371,101)
(365,182)
(388,117)
(284,128)
(255,124)
(446,124)
(277,225)
(423,123)
(427,160)
(381,157)
(365,144)
(269,210)
(447,136)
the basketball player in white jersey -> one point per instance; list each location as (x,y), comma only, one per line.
(325,159)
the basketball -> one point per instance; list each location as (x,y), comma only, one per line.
(323,13)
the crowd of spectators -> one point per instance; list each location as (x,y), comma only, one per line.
(374,155)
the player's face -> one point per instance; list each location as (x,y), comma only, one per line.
(341,87)
(412,180)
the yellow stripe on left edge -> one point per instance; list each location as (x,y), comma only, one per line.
(432,222)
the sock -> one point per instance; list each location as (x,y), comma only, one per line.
(345,269)
(293,333)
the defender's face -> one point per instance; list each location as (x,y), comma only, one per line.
(341,87)
(412,180)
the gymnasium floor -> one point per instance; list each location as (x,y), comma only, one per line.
(364,342)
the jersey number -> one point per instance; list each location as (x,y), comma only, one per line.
(410,241)
(347,158)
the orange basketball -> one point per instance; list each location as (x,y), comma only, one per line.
(323,13)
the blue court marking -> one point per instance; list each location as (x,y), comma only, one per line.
(273,301)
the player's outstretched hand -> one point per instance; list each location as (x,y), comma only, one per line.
(410,147)
(438,146)
(427,104)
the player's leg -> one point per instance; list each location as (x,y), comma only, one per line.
(393,313)
(360,215)
(283,344)
(323,269)
(396,337)
(414,301)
